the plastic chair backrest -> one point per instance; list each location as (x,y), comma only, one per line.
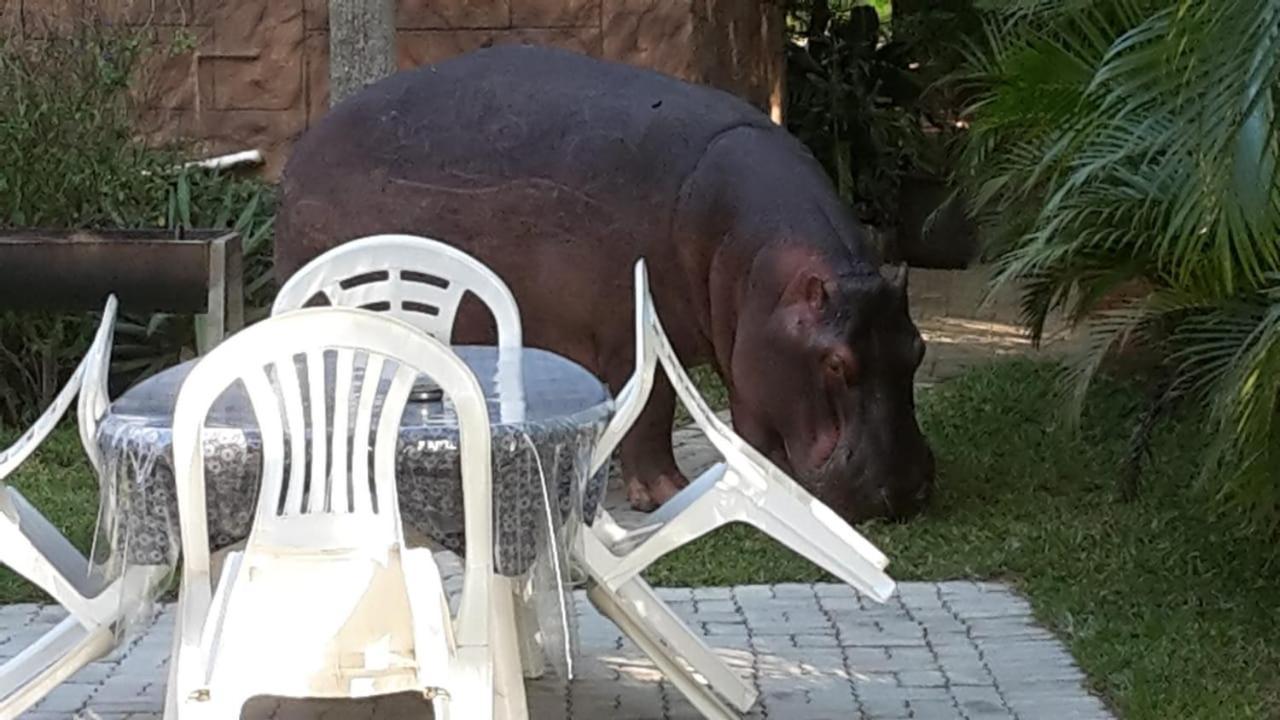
(94,397)
(631,399)
(653,349)
(416,279)
(318,504)
(657,345)
(91,371)
(753,473)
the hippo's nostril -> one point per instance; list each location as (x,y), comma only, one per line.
(888,502)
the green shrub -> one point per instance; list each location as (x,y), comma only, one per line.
(66,133)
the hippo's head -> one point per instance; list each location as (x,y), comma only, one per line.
(822,377)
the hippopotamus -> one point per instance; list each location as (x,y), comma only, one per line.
(559,171)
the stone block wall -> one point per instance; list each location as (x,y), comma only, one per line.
(254,73)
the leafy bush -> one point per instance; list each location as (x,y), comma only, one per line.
(71,159)
(861,96)
(1121,144)
(74,160)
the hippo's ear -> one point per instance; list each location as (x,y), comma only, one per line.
(898,278)
(815,292)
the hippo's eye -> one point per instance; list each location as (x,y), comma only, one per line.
(840,367)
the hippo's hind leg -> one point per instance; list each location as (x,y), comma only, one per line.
(648,460)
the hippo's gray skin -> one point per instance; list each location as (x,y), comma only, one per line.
(559,171)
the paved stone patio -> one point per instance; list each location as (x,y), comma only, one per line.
(938,651)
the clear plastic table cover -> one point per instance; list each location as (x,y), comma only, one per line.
(546,415)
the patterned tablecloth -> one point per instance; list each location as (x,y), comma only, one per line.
(546,415)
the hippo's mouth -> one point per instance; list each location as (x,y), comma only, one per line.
(821,454)
(825,443)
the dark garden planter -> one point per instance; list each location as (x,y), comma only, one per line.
(147,270)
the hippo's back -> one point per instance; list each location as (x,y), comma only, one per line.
(555,170)
(503,147)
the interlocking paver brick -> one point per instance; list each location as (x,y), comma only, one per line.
(767,644)
(726,605)
(67,698)
(967,674)
(934,710)
(728,617)
(753,595)
(793,590)
(815,640)
(885,705)
(922,678)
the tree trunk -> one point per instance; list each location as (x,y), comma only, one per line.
(362,45)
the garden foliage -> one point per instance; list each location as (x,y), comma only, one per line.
(861,94)
(74,159)
(1131,145)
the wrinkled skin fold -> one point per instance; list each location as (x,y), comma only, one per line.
(559,171)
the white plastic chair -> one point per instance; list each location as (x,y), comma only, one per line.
(746,488)
(33,547)
(326,600)
(418,280)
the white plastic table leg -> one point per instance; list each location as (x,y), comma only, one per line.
(532,658)
(171,684)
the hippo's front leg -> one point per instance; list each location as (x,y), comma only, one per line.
(648,461)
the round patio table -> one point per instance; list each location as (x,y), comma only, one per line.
(546,415)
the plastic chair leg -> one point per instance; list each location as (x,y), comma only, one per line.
(707,509)
(28,677)
(472,695)
(699,695)
(664,625)
(508,678)
(806,529)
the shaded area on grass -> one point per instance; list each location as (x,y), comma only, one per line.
(1171,610)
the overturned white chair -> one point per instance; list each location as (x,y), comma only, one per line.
(36,550)
(326,600)
(745,488)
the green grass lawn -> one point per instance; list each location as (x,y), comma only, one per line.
(1173,613)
